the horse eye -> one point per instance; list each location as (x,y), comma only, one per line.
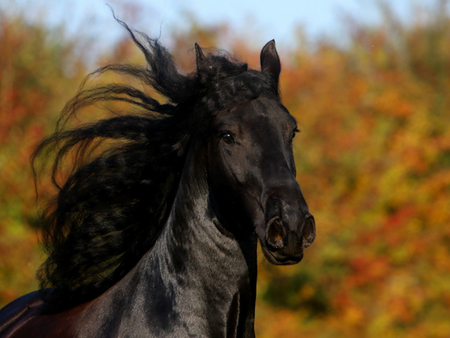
(227,138)
(294,132)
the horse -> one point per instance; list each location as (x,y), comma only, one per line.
(154,230)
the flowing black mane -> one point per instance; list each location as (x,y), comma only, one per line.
(114,203)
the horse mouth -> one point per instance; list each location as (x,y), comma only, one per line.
(277,258)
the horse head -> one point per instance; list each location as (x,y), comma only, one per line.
(251,169)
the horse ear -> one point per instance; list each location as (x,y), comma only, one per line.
(199,56)
(270,61)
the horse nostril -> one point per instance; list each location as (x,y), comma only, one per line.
(275,234)
(309,231)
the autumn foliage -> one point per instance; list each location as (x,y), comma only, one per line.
(373,159)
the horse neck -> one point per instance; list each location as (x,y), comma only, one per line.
(215,273)
(195,239)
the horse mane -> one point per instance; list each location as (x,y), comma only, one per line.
(112,206)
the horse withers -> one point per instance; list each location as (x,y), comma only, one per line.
(155,234)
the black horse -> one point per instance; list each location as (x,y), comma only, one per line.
(154,232)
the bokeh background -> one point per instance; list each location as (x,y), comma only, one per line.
(369,83)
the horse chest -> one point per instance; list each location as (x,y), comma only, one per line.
(205,298)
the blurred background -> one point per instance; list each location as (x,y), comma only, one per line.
(369,84)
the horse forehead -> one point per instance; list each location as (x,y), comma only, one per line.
(262,112)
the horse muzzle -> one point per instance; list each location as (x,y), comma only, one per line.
(289,229)
(283,246)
